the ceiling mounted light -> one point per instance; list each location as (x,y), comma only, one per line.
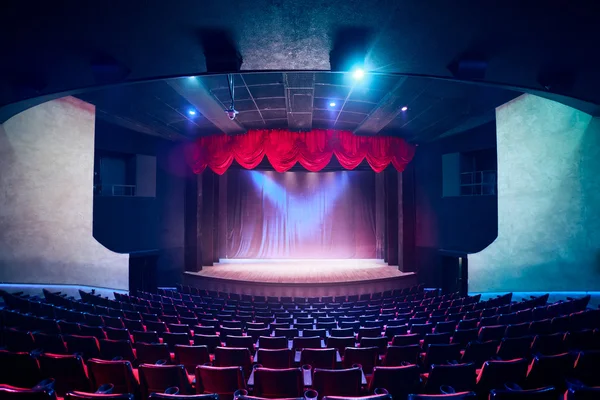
(332,104)
(404,108)
(358,74)
(192,112)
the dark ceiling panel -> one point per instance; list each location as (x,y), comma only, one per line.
(324,104)
(274,103)
(325,114)
(351,117)
(372,105)
(359,106)
(273,114)
(249,116)
(332,92)
(241,93)
(366,94)
(300,121)
(243,105)
(267,91)
(264,78)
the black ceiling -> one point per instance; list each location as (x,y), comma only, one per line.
(297,101)
(50,49)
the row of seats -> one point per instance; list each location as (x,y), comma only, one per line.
(372,334)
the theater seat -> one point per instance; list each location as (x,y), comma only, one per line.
(275,358)
(550,371)
(398,381)
(41,391)
(451,396)
(479,352)
(233,357)
(318,358)
(68,371)
(221,380)
(98,396)
(365,356)
(118,373)
(459,376)
(191,356)
(337,382)
(18,341)
(278,383)
(272,342)
(587,368)
(24,370)
(110,349)
(371,397)
(86,346)
(545,393)
(398,355)
(173,394)
(583,393)
(210,341)
(441,354)
(150,353)
(495,374)
(511,348)
(50,343)
(157,378)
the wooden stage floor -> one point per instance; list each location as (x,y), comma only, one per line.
(298,278)
(301,271)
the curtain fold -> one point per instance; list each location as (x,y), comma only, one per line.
(313,150)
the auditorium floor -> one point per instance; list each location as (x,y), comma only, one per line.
(301,271)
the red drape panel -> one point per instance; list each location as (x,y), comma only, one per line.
(313,150)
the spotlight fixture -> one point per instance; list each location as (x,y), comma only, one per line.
(332,104)
(358,74)
(192,112)
(191,77)
(404,108)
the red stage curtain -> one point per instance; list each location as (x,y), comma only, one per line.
(313,150)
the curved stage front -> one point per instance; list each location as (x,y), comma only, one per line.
(310,278)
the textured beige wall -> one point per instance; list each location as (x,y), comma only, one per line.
(548,201)
(46,177)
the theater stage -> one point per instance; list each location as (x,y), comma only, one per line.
(296,277)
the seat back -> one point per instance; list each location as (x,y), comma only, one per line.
(495,374)
(221,380)
(398,381)
(118,373)
(479,352)
(50,343)
(337,382)
(550,370)
(398,355)
(117,333)
(87,346)
(110,349)
(158,378)
(309,342)
(38,392)
(278,383)
(68,371)
(270,342)
(256,333)
(233,357)
(145,337)
(365,356)
(210,341)
(460,376)
(549,344)
(464,336)
(405,340)
(18,341)
(340,343)
(240,341)
(511,348)
(544,393)
(190,356)
(491,332)
(275,358)
(172,339)
(24,370)
(150,353)
(379,342)
(441,354)
(318,358)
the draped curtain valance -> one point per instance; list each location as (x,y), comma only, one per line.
(313,150)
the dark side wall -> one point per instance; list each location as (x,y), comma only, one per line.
(141,224)
(465,224)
